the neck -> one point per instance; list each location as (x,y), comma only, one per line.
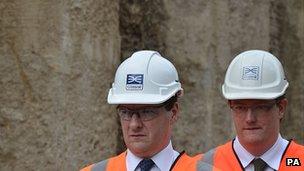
(150,154)
(258,148)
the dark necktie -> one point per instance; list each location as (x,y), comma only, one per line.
(259,164)
(145,164)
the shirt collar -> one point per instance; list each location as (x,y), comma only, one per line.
(163,160)
(244,156)
(132,161)
(272,156)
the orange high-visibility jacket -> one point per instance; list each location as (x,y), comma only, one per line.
(118,163)
(224,158)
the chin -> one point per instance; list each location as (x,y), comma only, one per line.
(142,152)
(253,139)
(138,147)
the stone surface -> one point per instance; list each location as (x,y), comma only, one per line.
(202,37)
(58,59)
(57,62)
(290,47)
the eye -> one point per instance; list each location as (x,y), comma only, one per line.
(147,111)
(264,107)
(123,111)
(148,114)
(240,108)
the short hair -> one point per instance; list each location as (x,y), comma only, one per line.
(168,104)
(280,98)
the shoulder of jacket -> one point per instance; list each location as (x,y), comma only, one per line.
(104,162)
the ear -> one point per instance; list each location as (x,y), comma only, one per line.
(174,113)
(282,107)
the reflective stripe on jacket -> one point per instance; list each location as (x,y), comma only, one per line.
(224,158)
(118,163)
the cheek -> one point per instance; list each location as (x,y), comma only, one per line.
(239,123)
(237,119)
(124,127)
(159,128)
(269,120)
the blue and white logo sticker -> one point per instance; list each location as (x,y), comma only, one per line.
(135,81)
(251,73)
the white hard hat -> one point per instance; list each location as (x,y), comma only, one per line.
(254,74)
(144,78)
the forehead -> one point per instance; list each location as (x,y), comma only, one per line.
(137,106)
(250,101)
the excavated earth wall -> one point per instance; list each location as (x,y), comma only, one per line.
(58,60)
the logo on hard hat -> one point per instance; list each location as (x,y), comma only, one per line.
(135,81)
(250,73)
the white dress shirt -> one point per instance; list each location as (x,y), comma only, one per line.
(272,156)
(163,160)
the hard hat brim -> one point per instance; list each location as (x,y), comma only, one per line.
(138,98)
(253,94)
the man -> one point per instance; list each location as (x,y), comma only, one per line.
(146,91)
(255,87)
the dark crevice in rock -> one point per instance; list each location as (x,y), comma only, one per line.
(141,25)
(277,13)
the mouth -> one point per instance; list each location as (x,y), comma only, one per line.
(252,128)
(137,135)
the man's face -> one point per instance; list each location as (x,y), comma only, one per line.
(147,136)
(257,121)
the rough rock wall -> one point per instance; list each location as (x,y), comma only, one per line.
(290,47)
(202,37)
(58,58)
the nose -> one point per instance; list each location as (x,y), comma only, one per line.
(250,116)
(135,122)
